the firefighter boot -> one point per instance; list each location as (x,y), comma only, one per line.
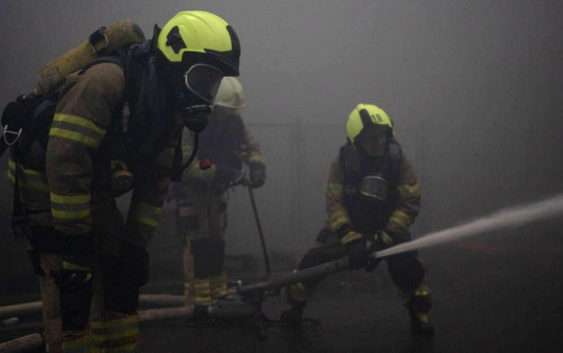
(419,305)
(296,296)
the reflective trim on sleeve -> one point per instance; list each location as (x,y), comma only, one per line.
(409,191)
(401,219)
(337,219)
(147,214)
(334,188)
(70,208)
(77,129)
(29,178)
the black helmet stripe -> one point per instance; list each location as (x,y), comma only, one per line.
(366,118)
(174,40)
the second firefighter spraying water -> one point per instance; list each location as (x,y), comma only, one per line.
(373,195)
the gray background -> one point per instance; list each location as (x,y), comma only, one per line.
(473,86)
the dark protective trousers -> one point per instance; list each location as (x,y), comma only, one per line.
(406,271)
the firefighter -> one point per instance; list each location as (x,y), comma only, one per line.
(372,197)
(226,148)
(92,260)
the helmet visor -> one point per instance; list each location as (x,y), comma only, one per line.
(203,81)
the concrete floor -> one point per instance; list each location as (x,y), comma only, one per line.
(500,293)
(494,293)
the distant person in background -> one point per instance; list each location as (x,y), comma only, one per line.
(372,197)
(225,148)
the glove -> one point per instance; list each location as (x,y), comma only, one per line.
(383,240)
(358,252)
(257,174)
(225,176)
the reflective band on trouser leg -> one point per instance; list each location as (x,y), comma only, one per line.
(202,292)
(115,336)
(147,215)
(76,129)
(76,342)
(218,286)
(421,299)
(188,274)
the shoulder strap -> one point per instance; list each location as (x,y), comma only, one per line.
(395,157)
(113,59)
(350,163)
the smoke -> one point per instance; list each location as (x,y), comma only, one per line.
(500,220)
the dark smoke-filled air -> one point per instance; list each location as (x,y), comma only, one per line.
(474,89)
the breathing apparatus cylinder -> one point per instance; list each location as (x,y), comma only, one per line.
(103,41)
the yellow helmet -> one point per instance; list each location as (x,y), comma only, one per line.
(230,94)
(192,37)
(364,115)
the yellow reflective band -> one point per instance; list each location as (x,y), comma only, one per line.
(409,190)
(34,181)
(70,215)
(148,222)
(219,286)
(255,157)
(128,333)
(337,219)
(37,186)
(77,345)
(71,199)
(127,348)
(115,338)
(202,286)
(31,172)
(70,207)
(71,266)
(78,121)
(422,291)
(34,185)
(128,321)
(11,177)
(147,214)
(401,217)
(12,167)
(74,136)
(350,237)
(203,300)
(334,188)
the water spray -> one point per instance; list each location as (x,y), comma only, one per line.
(503,219)
(500,220)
